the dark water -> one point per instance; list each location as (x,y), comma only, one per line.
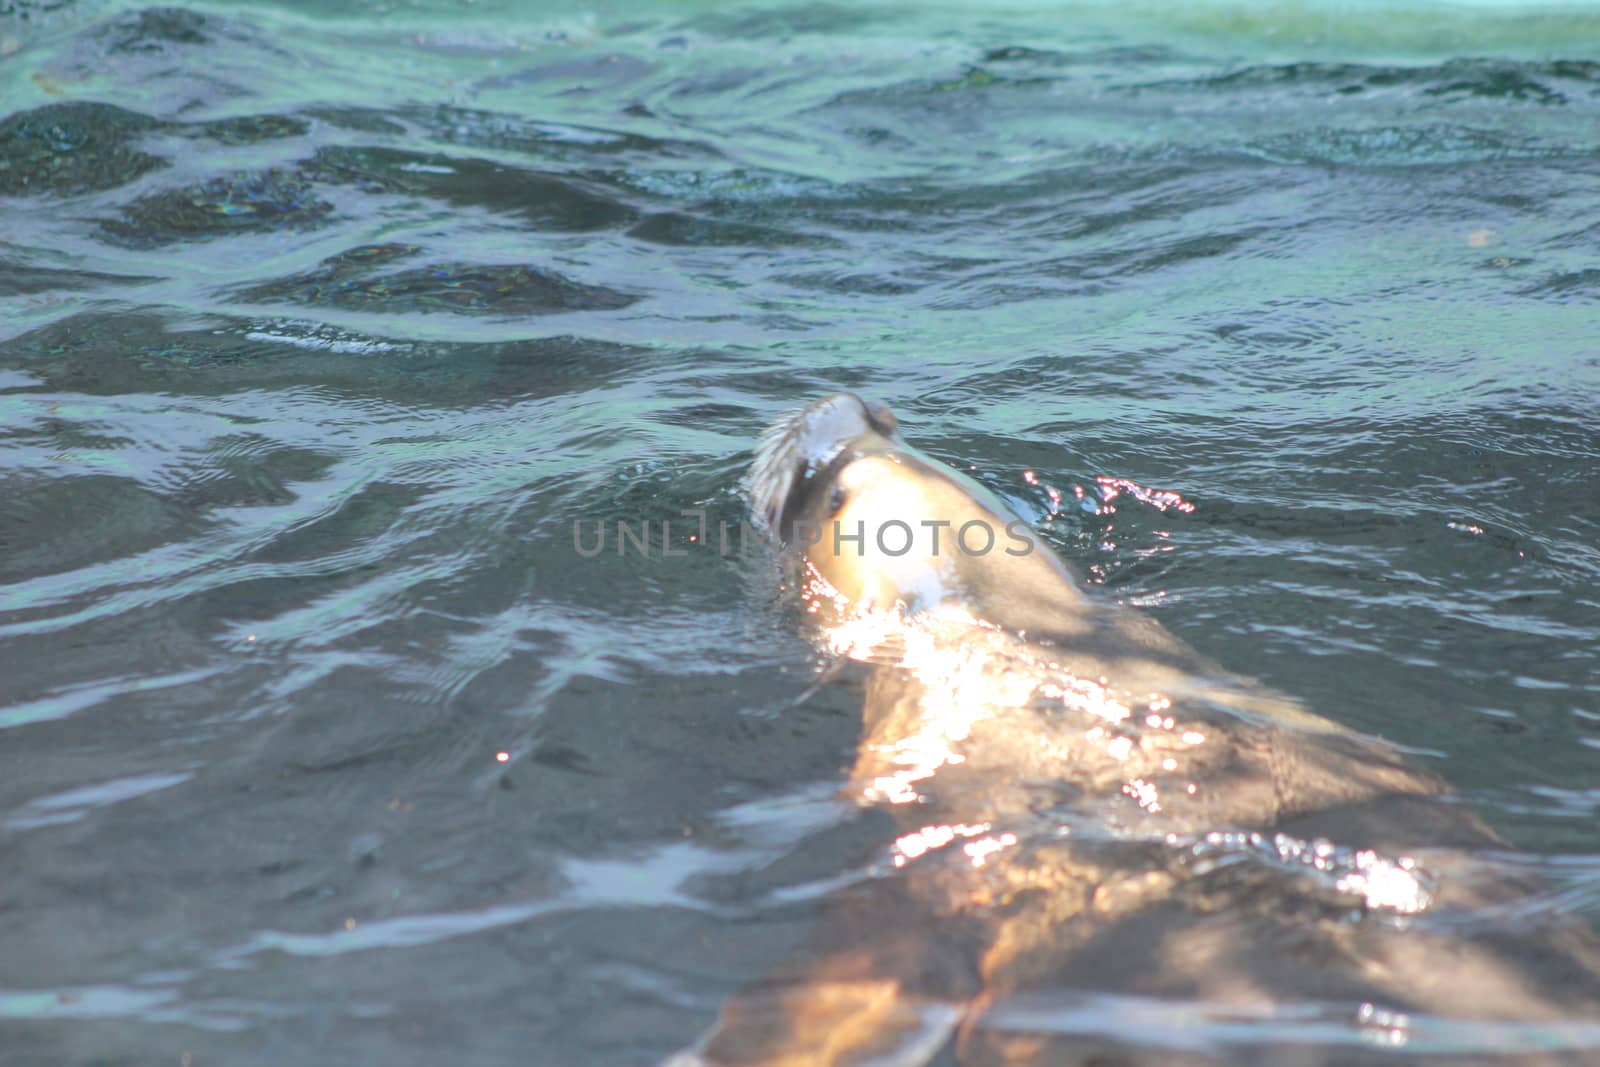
(320,327)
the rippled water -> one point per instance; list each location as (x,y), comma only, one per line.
(320,328)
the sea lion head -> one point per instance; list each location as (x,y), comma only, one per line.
(800,454)
(872,525)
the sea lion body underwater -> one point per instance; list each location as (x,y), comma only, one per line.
(1086,806)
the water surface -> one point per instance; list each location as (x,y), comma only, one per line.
(321,326)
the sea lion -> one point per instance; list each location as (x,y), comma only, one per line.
(1086,805)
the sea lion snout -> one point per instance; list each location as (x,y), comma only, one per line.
(848,407)
(883,419)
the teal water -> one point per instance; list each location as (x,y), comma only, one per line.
(321,325)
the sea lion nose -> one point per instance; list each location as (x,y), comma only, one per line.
(881,417)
